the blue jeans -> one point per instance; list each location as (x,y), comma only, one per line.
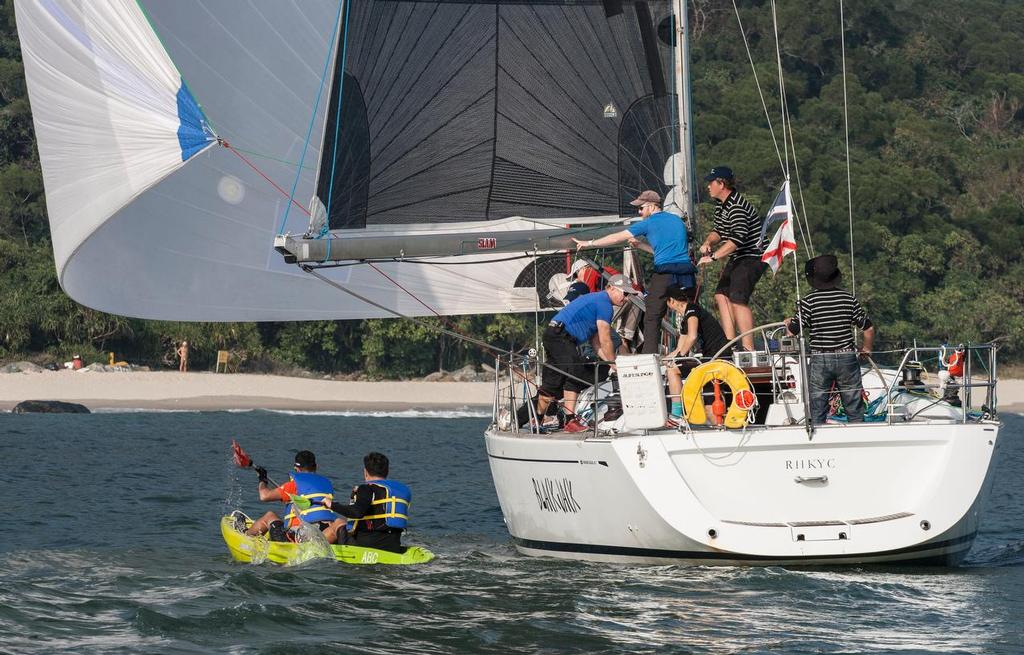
(843,369)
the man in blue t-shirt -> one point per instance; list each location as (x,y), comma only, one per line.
(586,319)
(666,239)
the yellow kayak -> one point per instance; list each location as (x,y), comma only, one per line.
(256,550)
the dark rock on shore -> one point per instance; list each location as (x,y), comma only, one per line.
(49,407)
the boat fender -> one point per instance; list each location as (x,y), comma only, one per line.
(723,371)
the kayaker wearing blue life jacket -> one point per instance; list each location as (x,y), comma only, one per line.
(378,511)
(306,482)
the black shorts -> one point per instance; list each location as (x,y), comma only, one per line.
(739,277)
(563,355)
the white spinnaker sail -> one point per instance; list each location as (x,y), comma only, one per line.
(141,232)
(107,104)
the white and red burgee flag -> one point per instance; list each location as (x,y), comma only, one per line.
(784,241)
(783,244)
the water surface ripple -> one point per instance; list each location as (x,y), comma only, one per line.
(111,545)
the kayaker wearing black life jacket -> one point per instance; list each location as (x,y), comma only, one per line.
(378,511)
(306,482)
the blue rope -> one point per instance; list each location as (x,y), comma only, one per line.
(312,119)
(337,129)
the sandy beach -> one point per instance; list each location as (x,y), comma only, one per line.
(211,391)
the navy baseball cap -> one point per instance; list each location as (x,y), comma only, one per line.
(723,172)
(305,459)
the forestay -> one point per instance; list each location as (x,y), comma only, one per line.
(407,117)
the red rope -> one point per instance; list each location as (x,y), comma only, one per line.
(264,176)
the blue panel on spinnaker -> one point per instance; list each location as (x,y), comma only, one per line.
(192,133)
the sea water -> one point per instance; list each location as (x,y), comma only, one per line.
(110,544)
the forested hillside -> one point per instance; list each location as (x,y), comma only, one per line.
(936,118)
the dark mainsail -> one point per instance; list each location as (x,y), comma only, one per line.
(468,111)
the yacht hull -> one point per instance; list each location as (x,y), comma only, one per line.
(849,494)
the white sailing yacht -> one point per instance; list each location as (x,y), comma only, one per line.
(445,146)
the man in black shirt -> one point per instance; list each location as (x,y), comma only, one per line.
(378,511)
(736,235)
(695,326)
(826,315)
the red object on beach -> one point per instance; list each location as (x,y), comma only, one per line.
(242,459)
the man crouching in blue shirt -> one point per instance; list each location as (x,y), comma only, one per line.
(588,318)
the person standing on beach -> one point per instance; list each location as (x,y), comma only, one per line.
(667,240)
(378,511)
(182,353)
(737,235)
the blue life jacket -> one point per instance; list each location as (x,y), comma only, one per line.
(391,500)
(316,488)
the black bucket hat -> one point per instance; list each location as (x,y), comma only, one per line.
(822,272)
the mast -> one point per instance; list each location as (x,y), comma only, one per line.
(687,181)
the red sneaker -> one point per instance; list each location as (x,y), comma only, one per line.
(576,425)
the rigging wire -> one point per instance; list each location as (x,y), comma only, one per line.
(291,198)
(782,86)
(337,125)
(489,348)
(802,216)
(757,83)
(452,333)
(846,125)
(309,130)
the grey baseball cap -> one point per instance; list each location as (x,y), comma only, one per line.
(622,283)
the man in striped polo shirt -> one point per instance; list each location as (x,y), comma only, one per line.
(736,235)
(826,315)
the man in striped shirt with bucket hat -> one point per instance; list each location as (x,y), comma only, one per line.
(826,316)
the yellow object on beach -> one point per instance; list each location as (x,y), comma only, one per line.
(257,550)
(693,404)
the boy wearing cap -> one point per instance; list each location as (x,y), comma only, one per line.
(667,240)
(693,323)
(586,319)
(736,235)
(826,315)
(304,481)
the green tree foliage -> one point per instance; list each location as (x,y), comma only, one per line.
(935,94)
